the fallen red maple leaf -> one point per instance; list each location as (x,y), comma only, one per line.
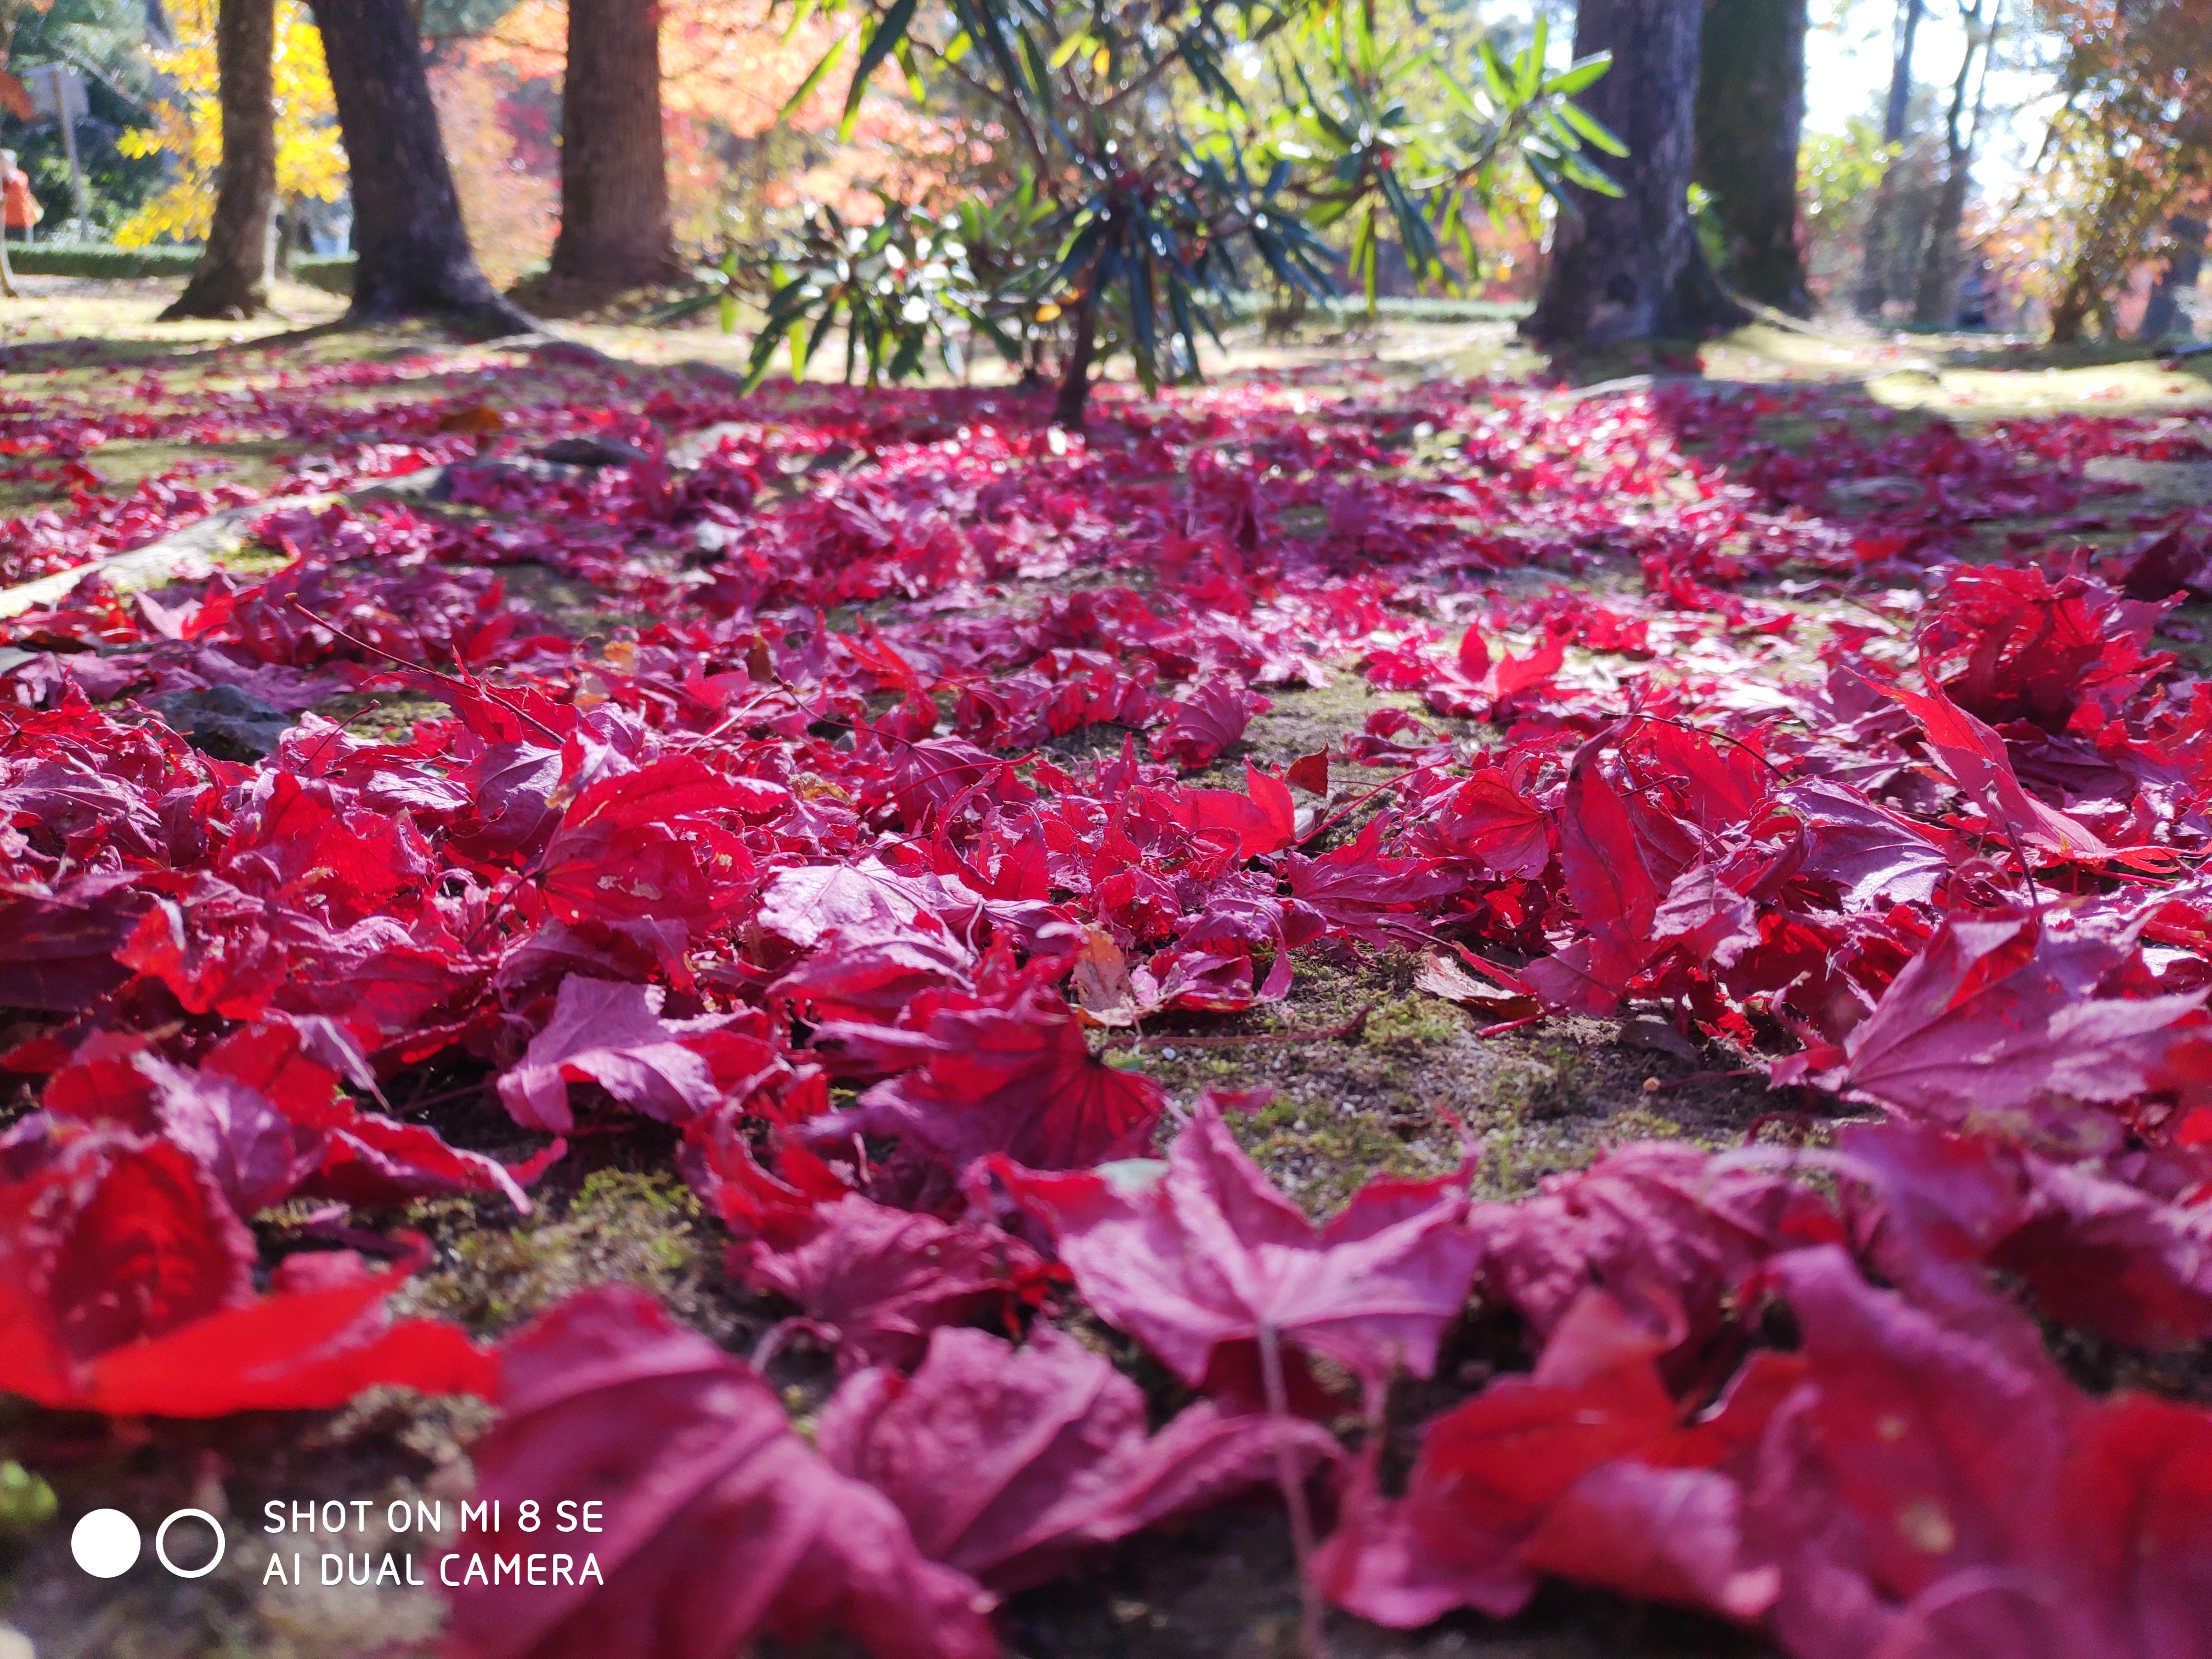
(719,1524)
(2007,1021)
(1209,1266)
(1668,1231)
(2096,1252)
(126,1287)
(1003,1068)
(876,1281)
(1010,1463)
(1925,1494)
(1212,718)
(611,1034)
(1587,1467)
(1976,759)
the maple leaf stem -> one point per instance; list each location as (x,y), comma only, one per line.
(2026,869)
(1505,1025)
(1312,1644)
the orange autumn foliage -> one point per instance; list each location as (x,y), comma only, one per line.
(727,71)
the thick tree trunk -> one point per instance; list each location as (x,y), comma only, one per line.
(1629,267)
(2183,267)
(1874,280)
(232,276)
(412,252)
(1750,107)
(614,177)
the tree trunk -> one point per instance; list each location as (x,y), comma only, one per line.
(2183,267)
(1874,281)
(1629,267)
(614,176)
(1936,296)
(1750,107)
(231,277)
(412,253)
(1075,374)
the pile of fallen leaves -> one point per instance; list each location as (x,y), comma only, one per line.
(798,865)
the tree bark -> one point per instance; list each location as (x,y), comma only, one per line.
(1629,267)
(231,277)
(1751,110)
(412,253)
(615,232)
(1075,374)
(1873,279)
(2183,267)
(1936,296)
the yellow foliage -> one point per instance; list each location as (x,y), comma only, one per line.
(310,160)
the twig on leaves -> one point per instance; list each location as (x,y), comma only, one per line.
(1350,807)
(1707,731)
(339,730)
(474,687)
(1654,1086)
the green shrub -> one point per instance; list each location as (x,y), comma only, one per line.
(97,259)
(333,272)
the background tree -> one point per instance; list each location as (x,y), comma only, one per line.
(2185,265)
(615,231)
(191,126)
(1172,154)
(1873,286)
(1936,296)
(103,42)
(232,278)
(1629,266)
(2130,142)
(411,252)
(1751,115)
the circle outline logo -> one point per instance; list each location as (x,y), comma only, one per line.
(161,1554)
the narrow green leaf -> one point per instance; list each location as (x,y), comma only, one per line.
(890,29)
(828,62)
(1582,73)
(1591,127)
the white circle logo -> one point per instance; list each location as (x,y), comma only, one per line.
(162,1537)
(106,1543)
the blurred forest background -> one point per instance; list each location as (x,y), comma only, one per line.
(2028,166)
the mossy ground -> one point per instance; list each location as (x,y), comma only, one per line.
(1369,1075)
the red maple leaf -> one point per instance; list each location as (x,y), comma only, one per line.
(720,1524)
(126,1287)
(1009,1462)
(1204,1261)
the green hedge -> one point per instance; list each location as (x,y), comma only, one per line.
(96,259)
(333,272)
